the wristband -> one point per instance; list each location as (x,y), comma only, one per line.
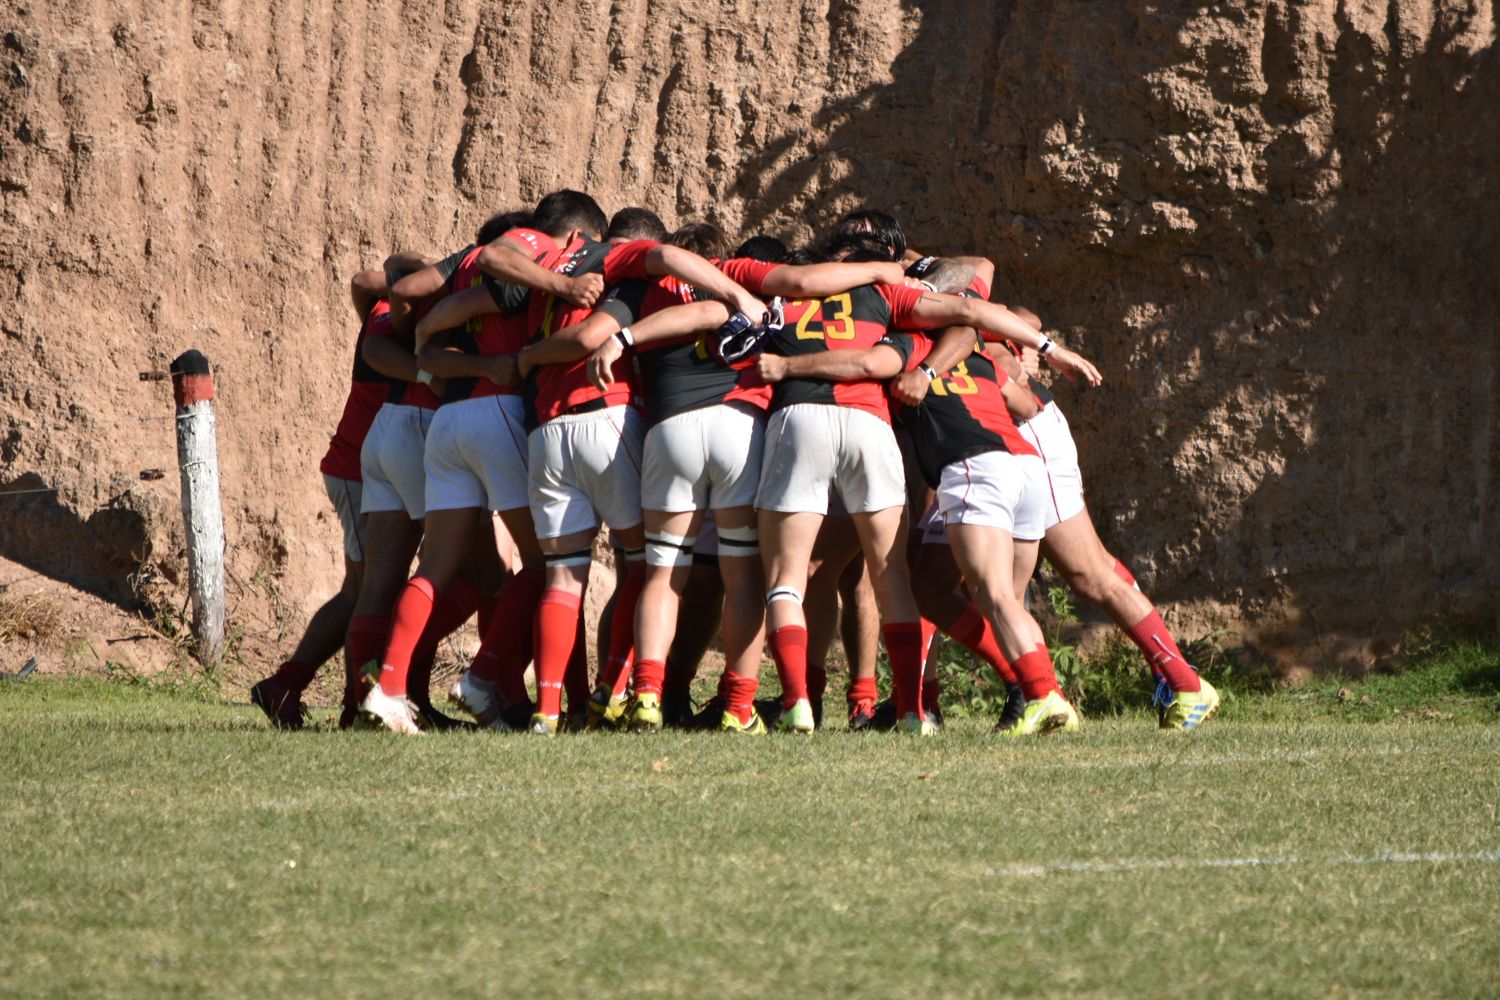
(928,370)
(1046,346)
(424,376)
(625,337)
(928,285)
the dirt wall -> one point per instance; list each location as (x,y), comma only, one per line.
(1273,224)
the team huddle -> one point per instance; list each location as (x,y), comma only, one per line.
(767,433)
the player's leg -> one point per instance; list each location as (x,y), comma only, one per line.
(834,551)
(566,523)
(392,539)
(744,618)
(938,586)
(1074,548)
(872,481)
(994,505)
(882,535)
(859,631)
(449,537)
(787,539)
(698,618)
(493,689)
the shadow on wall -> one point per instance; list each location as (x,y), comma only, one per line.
(100,555)
(1279,256)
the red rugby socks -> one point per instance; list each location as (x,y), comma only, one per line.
(556,633)
(507,644)
(739,695)
(789,650)
(903,644)
(1150,634)
(1035,673)
(972,632)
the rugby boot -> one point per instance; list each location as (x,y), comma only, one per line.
(479,699)
(645,713)
(707,717)
(730,723)
(607,710)
(282,705)
(1187,710)
(1015,704)
(395,714)
(543,725)
(796,719)
(1048,714)
(913,724)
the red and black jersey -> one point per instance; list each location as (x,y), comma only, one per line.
(367,391)
(850,321)
(680,374)
(1039,390)
(963,414)
(494,333)
(410,393)
(563,388)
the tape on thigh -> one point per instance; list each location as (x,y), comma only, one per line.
(570,560)
(663,549)
(739,542)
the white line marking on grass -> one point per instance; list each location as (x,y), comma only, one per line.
(1169,760)
(1177,864)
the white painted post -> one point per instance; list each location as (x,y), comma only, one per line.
(198,461)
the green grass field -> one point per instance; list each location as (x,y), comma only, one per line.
(158,843)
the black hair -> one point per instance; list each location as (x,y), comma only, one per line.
(703,238)
(881,225)
(865,255)
(767,249)
(845,247)
(801,255)
(636,223)
(561,212)
(501,223)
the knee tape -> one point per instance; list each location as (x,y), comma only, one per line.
(663,549)
(740,542)
(783,594)
(632,555)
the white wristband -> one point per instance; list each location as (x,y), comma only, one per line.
(1046,346)
(424,376)
(928,370)
(625,337)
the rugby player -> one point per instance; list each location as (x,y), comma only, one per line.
(836,435)
(703,452)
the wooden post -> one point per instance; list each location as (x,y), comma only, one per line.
(198,461)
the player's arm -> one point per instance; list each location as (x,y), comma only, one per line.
(664,324)
(389,358)
(935,309)
(456,310)
(402,262)
(955,344)
(1019,400)
(814,281)
(689,267)
(444,360)
(874,363)
(504,261)
(365,289)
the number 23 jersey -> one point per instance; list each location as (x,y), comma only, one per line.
(849,321)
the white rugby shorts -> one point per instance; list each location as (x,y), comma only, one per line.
(345,495)
(391,461)
(997,490)
(931,528)
(476,455)
(812,447)
(586,467)
(703,459)
(1048,432)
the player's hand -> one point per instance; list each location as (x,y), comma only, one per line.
(602,363)
(584,290)
(911,387)
(771,367)
(916,283)
(1074,366)
(524,367)
(1031,362)
(752,307)
(503,369)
